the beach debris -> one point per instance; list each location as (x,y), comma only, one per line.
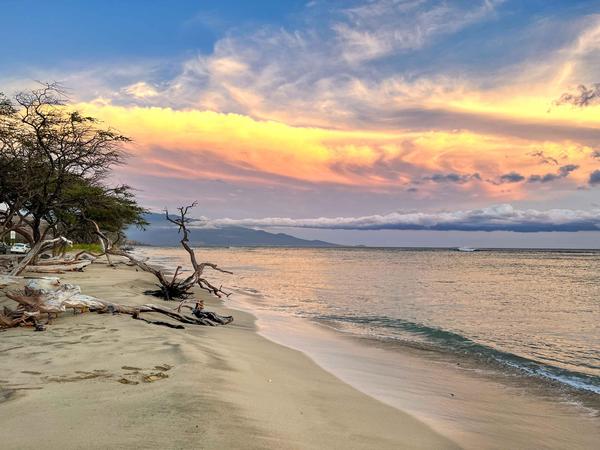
(36,250)
(127,381)
(59,266)
(42,282)
(5,280)
(174,287)
(35,301)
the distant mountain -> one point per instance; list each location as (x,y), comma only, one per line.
(161,233)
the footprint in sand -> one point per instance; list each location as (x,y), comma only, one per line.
(80,376)
(152,377)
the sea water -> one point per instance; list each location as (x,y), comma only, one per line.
(533,311)
(494,348)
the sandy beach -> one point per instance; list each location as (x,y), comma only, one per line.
(99,381)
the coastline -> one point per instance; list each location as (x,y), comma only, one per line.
(227,387)
(476,407)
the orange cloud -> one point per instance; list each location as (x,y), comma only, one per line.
(196,144)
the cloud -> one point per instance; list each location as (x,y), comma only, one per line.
(511,177)
(141,90)
(566,170)
(544,158)
(494,218)
(594,178)
(329,102)
(445,166)
(585,97)
(452,178)
(384,27)
(563,172)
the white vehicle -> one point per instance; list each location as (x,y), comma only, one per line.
(466,249)
(20,248)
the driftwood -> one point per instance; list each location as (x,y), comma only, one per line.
(54,261)
(36,302)
(36,250)
(75,266)
(42,282)
(171,287)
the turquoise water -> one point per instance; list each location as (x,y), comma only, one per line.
(533,312)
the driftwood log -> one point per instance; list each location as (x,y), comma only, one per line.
(35,251)
(59,266)
(40,300)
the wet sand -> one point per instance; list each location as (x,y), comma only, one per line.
(100,381)
(474,406)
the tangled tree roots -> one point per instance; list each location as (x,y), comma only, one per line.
(170,292)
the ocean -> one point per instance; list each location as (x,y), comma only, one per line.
(525,314)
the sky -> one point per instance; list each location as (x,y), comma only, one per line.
(381,122)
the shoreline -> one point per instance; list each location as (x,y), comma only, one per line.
(475,407)
(226,387)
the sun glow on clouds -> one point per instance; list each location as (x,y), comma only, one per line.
(334,109)
(210,145)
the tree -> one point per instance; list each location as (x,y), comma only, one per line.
(86,205)
(46,151)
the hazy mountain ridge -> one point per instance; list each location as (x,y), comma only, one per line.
(161,233)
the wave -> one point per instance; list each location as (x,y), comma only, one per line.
(444,340)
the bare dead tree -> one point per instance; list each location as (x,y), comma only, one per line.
(173,287)
(196,277)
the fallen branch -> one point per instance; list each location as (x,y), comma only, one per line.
(76,266)
(36,250)
(35,301)
(173,288)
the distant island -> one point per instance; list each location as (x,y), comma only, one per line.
(160,233)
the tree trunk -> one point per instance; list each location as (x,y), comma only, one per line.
(36,250)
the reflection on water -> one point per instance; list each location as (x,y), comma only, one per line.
(532,310)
